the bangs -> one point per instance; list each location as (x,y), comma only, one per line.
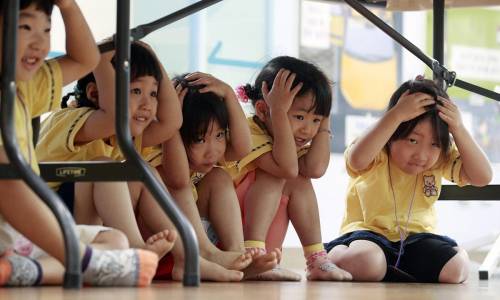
(143,63)
(200,111)
(45,6)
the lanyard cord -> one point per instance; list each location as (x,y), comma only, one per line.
(402,234)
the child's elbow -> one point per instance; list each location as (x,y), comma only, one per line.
(177,121)
(315,172)
(90,61)
(289,172)
(479,179)
(356,164)
(484,180)
(177,183)
(94,60)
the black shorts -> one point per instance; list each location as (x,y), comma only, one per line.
(423,257)
(67,193)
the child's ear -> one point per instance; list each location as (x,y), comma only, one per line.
(91,92)
(261,110)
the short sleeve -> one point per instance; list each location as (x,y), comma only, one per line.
(60,129)
(46,88)
(452,166)
(381,158)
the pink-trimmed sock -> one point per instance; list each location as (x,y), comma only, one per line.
(319,267)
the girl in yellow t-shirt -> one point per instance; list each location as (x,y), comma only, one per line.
(86,132)
(214,130)
(396,169)
(25,220)
(291,144)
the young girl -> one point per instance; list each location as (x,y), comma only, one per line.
(214,130)
(38,84)
(396,169)
(291,144)
(87,133)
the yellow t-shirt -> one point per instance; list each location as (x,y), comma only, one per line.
(57,140)
(35,97)
(370,203)
(262,143)
(152,155)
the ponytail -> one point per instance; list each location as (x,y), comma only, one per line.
(79,94)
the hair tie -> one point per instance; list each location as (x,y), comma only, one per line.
(241,93)
(420,77)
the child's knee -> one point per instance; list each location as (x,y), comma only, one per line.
(364,265)
(217,178)
(456,270)
(300,184)
(113,239)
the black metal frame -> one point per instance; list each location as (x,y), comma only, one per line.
(135,168)
(438,69)
(186,231)
(132,169)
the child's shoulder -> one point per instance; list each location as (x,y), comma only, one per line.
(50,71)
(380,161)
(66,117)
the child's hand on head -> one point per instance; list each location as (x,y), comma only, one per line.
(410,106)
(211,84)
(449,112)
(281,95)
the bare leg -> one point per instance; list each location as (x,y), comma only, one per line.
(304,214)
(53,270)
(456,270)
(261,203)
(109,203)
(183,195)
(31,217)
(363,259)
(303,210)
(217,201)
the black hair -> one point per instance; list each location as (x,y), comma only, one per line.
(439,126)
(45,6)
(80,93)
(312,78)
(142,63)
(199,110)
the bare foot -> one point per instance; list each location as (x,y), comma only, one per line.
(261,263)
(209,271)
(231,260)
(277,274)
(162,242)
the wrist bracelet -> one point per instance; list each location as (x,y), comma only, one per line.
(327,131)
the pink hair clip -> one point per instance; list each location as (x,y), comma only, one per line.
(241,93)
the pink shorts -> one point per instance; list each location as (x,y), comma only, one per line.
(277,231)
